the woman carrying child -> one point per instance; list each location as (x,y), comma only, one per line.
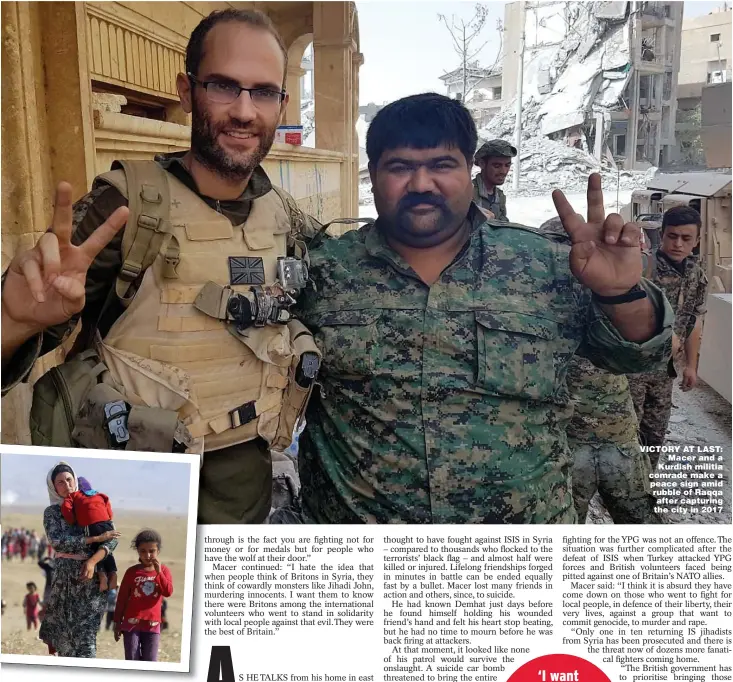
(75,604)
(139,600)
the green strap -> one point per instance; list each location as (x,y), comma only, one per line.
(148,198)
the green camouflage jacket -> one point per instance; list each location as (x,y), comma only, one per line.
(496,203)
(604,410)
(448,403)
(686,291)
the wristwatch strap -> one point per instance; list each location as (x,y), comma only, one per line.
(636,293)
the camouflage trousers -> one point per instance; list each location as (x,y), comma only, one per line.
(620,474)
(235,484)
(652,396)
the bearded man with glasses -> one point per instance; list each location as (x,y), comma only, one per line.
(177,264)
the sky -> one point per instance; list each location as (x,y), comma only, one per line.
(406,48)
(129,484)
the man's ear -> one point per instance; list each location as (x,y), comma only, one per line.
(185,92)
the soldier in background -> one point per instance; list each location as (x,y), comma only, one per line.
(602,436)
(494,158)
(675,270)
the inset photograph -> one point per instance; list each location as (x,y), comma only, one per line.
(97,558)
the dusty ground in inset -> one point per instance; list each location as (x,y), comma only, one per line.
(700,417)
(15,574)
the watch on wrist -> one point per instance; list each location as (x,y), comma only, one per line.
(636,293)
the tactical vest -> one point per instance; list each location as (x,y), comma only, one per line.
(227,387)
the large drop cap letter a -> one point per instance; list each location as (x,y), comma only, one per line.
(220,665)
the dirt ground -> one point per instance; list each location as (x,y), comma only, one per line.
(699,417)
(15,574)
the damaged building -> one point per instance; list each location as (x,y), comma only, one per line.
(483,90)
(599,76)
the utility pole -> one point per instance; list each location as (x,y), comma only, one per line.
(520,81)
(465,75)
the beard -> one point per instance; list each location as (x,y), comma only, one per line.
(207,150)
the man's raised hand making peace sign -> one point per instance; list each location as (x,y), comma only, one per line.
(45,285)
(605,258)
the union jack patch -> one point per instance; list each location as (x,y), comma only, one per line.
(246,270)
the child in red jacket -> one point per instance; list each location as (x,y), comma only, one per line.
(91,509)
(139,600)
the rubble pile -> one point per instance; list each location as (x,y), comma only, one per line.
(366,198)
(548,164)
(502,125)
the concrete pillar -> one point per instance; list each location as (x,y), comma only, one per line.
(633,127)
(357,61)
(598,147)
(333,48)
(68,94)
(658,95)
(25,173)
(292,85)
(25,176)
(47,136)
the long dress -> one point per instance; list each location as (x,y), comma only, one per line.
(74,609)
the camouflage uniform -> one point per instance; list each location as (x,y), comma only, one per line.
(448,403)
(603,437)
(685,287)
(496,202)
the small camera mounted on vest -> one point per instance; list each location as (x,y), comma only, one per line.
(292,273)
(258,307)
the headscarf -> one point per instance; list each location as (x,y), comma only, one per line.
(58,469)
(85,486)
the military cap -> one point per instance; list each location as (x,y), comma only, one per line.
(495,148)
(553,228)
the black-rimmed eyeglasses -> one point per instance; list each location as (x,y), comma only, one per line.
(225,93)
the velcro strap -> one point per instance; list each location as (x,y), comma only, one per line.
(171,259)
(180,354)
(238,417)
(179,294)
(212,300)
(198,323)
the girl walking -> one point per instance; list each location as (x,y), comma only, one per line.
(138,612)
(30,605)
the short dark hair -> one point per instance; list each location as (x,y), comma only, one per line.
(681,215)
(33,585)
(251,17)
(422,122)
(147,535)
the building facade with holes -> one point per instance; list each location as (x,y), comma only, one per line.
(85,83)
(621,94)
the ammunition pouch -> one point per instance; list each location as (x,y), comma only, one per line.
(132,427)
(78,404)
(301,380)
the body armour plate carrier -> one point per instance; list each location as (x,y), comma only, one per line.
(227,387)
